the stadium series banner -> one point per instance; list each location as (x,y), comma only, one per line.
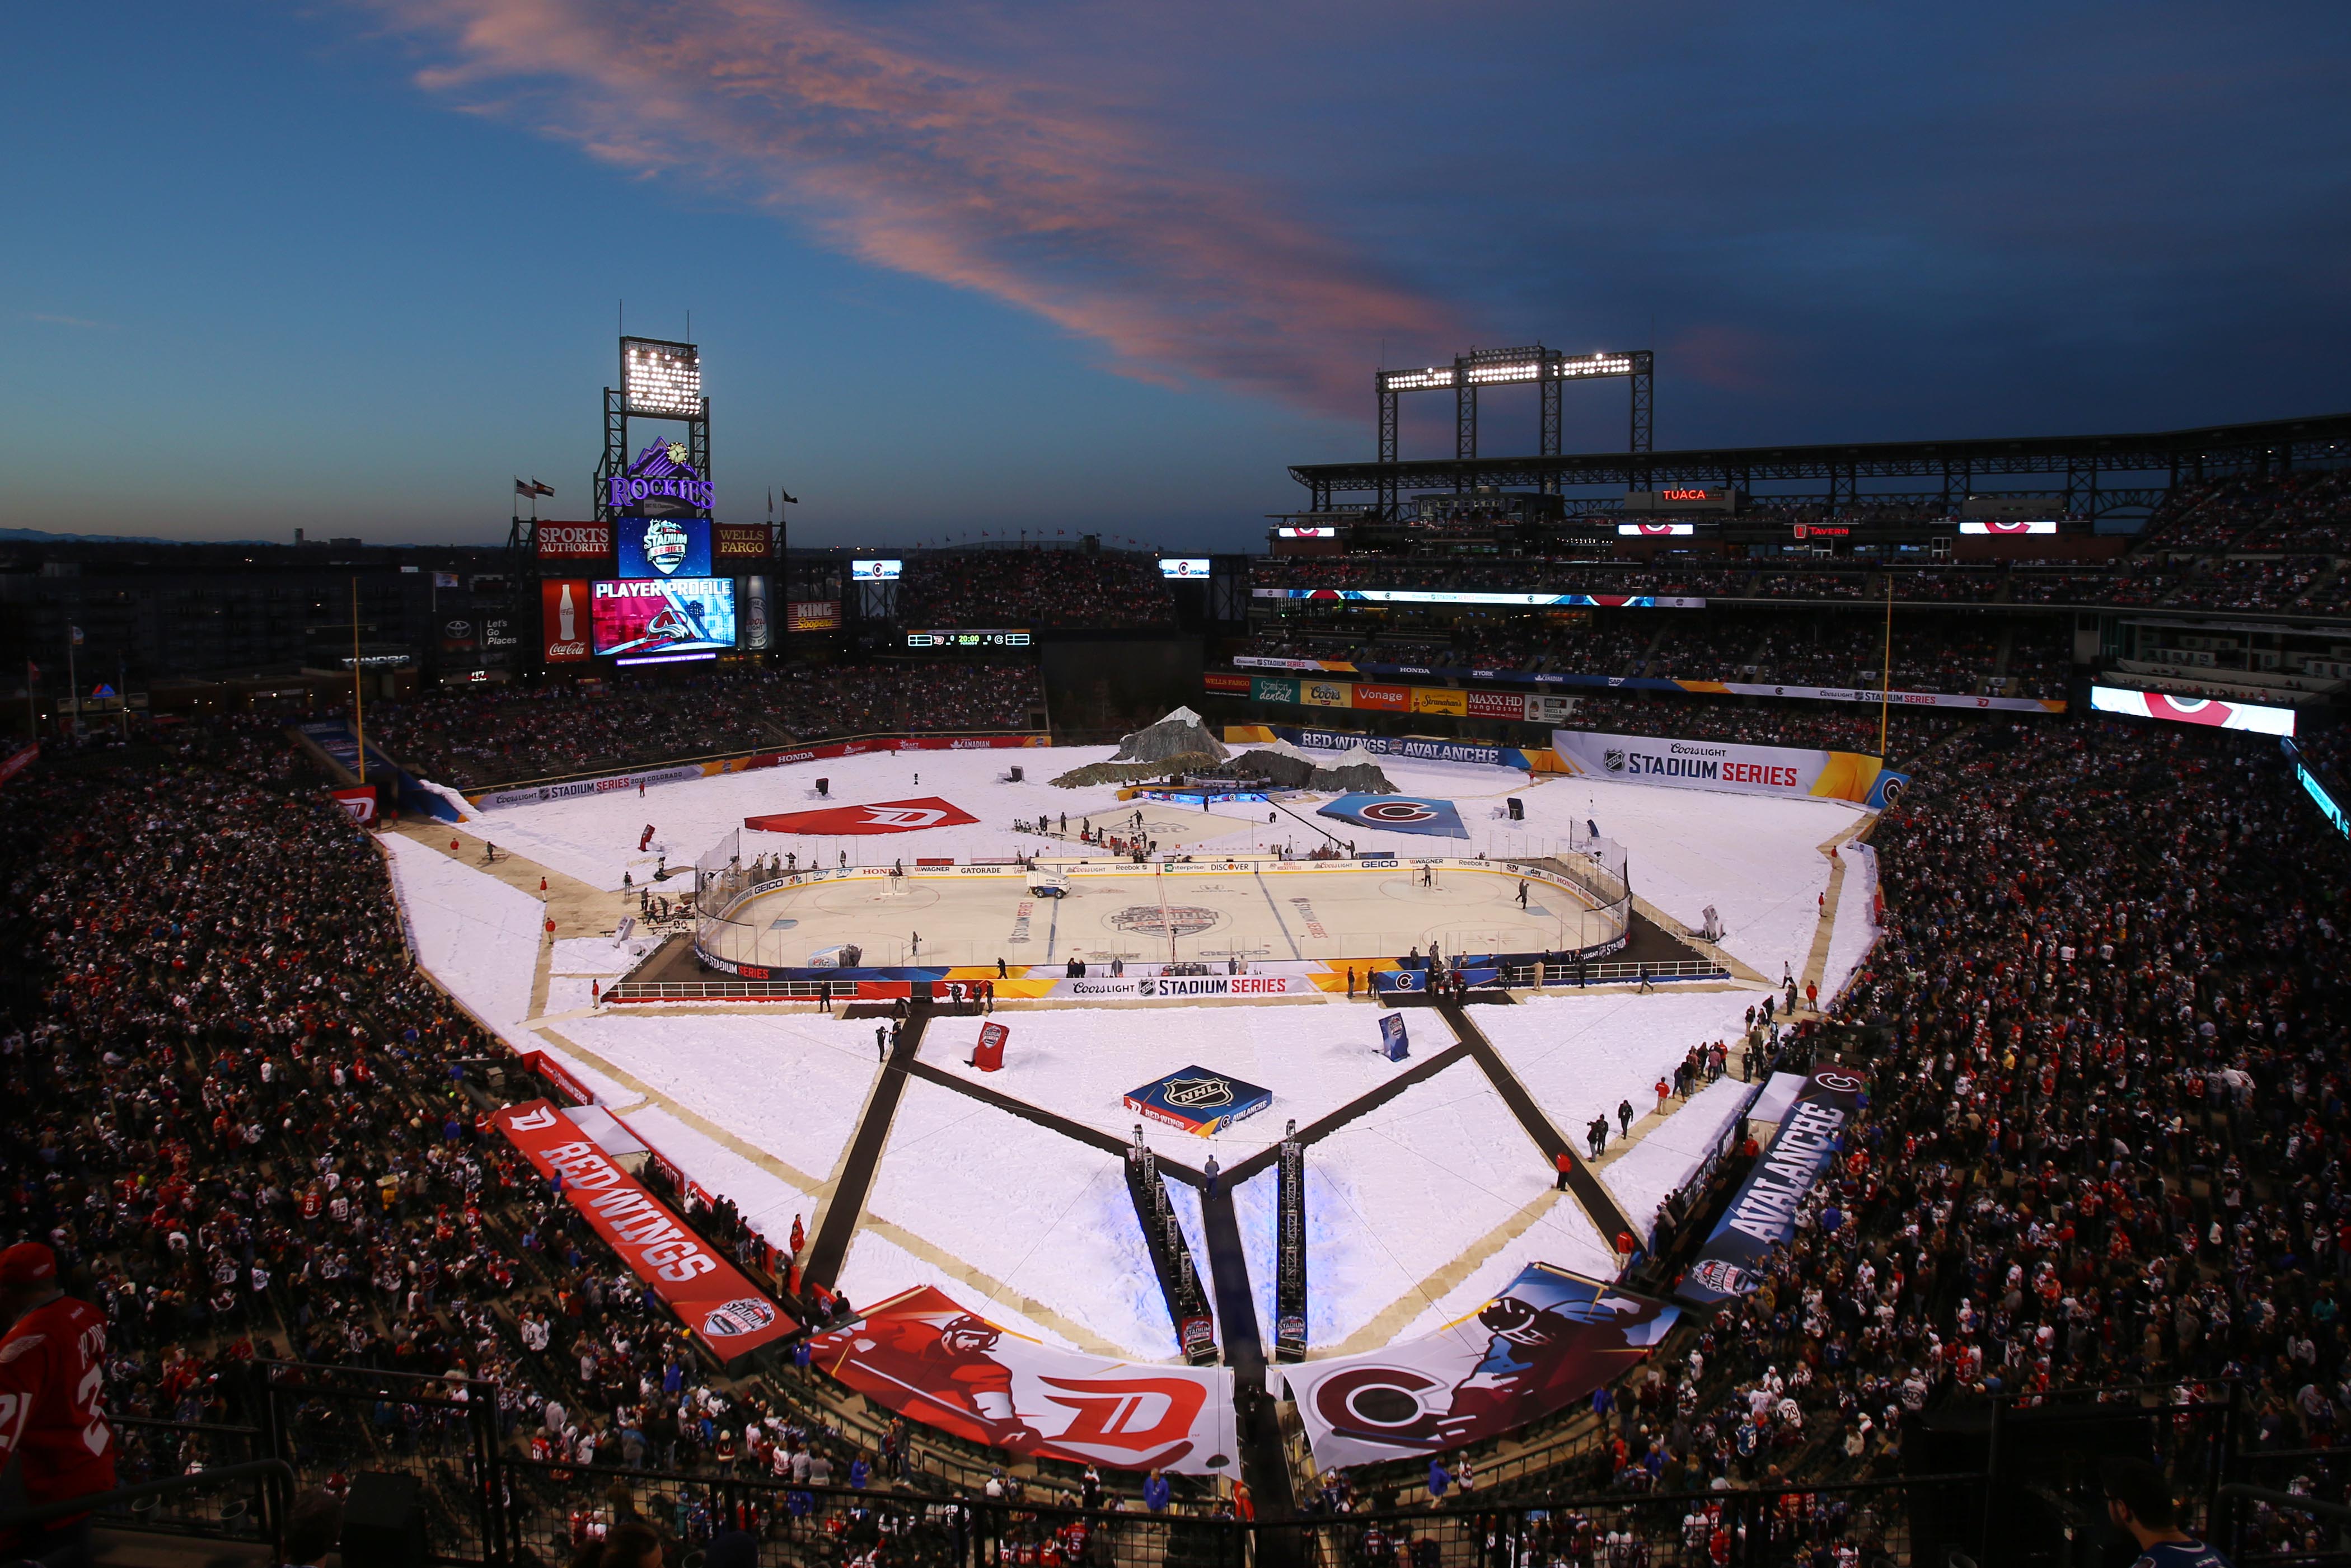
(708,1294)
(1545,1343)
(1762,1216)
(1726,765)
(923,1355)
(1335,692)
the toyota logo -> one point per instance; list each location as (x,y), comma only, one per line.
(458,628)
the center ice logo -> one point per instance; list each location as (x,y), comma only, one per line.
(1192,1093)
(1171,920)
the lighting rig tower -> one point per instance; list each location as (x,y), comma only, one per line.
(659,381)
(1546,368)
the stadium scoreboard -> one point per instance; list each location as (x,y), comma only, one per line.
(957,639)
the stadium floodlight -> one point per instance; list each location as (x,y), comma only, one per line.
(660,379)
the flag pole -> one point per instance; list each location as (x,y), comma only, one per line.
(1885,671)
(358,713)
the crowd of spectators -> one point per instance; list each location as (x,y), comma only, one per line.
(476,737)
(2307,510)
(1033,587)
(2254,583)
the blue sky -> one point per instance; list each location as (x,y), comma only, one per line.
(1114,268)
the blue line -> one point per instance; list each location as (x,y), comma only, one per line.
(1279,923)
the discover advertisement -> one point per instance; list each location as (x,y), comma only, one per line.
(1545,1343)
(725,1309)
(1762,1215)
(1726,765)
(922,1354)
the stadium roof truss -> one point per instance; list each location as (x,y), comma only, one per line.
(2270,446)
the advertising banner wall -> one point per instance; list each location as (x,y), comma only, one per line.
(1958,700)
(1316,694)
(1720,765)
(1383,699)
(740,542)
(1266,690)
(1762,1216)
(710,1296)
(1495,704)
(923,1355)
(1160,987)
(1439,700)
(573,541)
(2259,717)
(1462,596)
(1235,685)
(564,617)
(1545,1343)
(533,794)
(812,614)
(756,629)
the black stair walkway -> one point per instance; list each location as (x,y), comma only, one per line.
(831,1248)
(1597,1203)
(1255,1420)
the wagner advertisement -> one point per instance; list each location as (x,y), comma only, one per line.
(1545,1343)
(710,1297)
(923,1355)
(1725,765)
(1762,1216)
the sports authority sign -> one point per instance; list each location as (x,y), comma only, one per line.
(887,816)
(573,541)
(1762,1216)
(706,1291)
(923,1355)
(1545,1343)
(1723,765)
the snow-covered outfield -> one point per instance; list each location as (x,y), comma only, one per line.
(1418,1210)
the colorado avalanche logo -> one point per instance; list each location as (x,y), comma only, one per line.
(666,544)
(1398,811)
(1838,1083)
(747,1315)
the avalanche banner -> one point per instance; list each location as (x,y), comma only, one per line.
(706,1291)
(1725,765)
(925,1356)
(1763,1215)
(1546,1342)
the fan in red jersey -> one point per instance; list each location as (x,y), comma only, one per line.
(51,1403)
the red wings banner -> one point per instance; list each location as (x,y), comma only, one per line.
(888,816)
(931,1361)
(707,1292)
(1546,1342)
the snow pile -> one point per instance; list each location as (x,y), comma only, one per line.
(1181,733)
(1668,1154)
(476,936)
(1356,773)
(464,807)
(1095,773)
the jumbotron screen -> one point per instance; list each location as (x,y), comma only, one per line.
(650,616)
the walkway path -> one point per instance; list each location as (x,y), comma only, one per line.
(838,1223)
(1599,1205)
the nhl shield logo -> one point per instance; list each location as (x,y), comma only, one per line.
(1194,1093)
(747,1315)
(1613,759)
(664,546)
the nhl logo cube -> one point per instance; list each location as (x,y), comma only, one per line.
(1198,1101)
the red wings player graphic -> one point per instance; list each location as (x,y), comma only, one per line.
(948,1365)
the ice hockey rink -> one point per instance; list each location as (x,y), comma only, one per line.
(1245,912)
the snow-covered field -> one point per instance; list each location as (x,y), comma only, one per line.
(1080,1062)
(1418,1210)
(1665,1156)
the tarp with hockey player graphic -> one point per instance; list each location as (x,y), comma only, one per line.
(925,1356)
(1546,1342)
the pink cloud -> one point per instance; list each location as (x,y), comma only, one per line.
(1018,189)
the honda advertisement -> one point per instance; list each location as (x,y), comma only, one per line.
(922,1354)
(1762,1216)
(1544,1343)
(1727,766)
(654,616)
(709,1295)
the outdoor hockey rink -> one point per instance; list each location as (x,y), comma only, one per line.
(1214,914)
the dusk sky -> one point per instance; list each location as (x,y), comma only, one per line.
(1114,268)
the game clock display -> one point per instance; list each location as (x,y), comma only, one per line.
(654,616)
(977,637)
